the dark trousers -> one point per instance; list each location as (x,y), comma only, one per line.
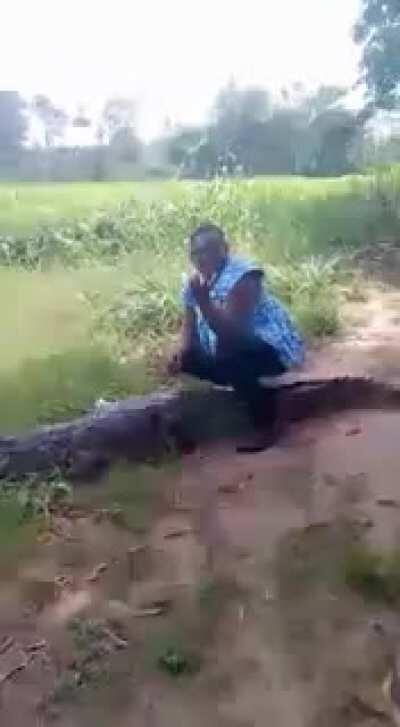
(240,365)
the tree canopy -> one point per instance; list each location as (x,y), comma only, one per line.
(118,113)
(53,119)
(250,132)
(378,31)
(13,122)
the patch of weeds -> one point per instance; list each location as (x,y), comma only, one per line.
(25,506)
(376,576)
(319,317)
(87,633)
(177,661)
(40,496)
(74,682)
(174,648)
(146,312)
(66,688)
(95,642)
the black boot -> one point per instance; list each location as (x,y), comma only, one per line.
(264,414)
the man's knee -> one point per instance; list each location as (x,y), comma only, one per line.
(199,364)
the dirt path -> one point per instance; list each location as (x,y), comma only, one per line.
(234,583)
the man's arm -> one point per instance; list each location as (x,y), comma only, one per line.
(188,337)
(240,304)
(188,330)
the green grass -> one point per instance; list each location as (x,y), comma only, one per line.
(272,218)
(306,213)
(17,533)
(24,206)
(51,367)
(63,386)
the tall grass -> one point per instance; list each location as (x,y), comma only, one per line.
(273,219)
(310,288)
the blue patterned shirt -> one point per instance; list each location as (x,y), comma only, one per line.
(269,320)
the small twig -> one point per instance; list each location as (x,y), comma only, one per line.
(229,488)
(353,431)
(35,647)
(366,710)
(180,533)
(117,641)
(97,572)
(387,502)
(143,612)
(6,644)
(15,670)
(317,525)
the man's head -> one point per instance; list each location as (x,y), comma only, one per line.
(208,249)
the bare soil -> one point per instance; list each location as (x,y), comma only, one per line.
(236,578)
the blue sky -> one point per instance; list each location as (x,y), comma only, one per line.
(172,56)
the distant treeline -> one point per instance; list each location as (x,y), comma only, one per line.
(70,164)
(249,132)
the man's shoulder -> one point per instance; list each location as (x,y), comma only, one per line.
(238,266)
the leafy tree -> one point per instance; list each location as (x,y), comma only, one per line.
(54,120)
(118,113)
(312,133)
(324,98)
(378,31)
(320,131)
(235,112)
(13,122)
(182,141)
(335,132)
(126,144)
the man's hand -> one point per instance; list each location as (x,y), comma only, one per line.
(174,365)
(176,361)
(188,340)
(200,290)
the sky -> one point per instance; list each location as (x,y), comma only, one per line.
(172,56)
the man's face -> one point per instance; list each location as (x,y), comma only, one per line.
(206,255)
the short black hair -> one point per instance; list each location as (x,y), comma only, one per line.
(212,231)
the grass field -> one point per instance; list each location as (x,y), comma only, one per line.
(25,206)
(86,301)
